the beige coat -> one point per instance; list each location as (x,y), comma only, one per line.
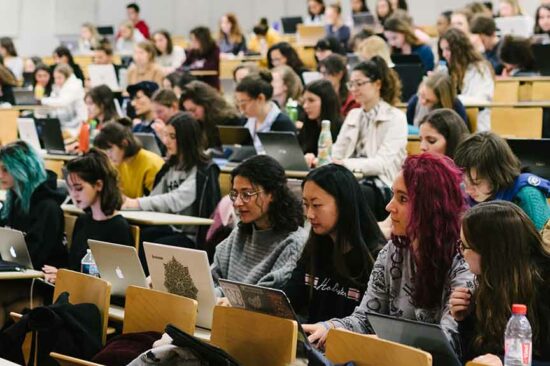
(385,143)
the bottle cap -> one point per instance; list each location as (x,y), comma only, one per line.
(519,309)
(88,250)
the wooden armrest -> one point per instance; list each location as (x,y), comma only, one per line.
(71,361)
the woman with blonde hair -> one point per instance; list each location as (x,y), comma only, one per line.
(509,8)
(89,38)
(127,38)
(231,39)
(286,85)
(374,46)
(144,67)
(435,91)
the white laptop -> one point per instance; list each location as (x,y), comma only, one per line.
(118,264)
(13,248)
(103,74)
(184,272)
(520,25)
(28,133)
(311,76)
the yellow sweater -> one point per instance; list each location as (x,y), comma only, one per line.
(137,174)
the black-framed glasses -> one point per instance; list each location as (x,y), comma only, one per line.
(246,196)
(462,246)
(357,84)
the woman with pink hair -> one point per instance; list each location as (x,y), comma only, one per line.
(415,272)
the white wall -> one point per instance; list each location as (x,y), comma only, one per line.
(34,24)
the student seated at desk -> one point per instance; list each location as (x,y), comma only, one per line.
(415,272)
(7,82)
(332,273)
(144,67)
(471,74)
(127,38)
(89,38)
(517,57)
(165,106)
(334,69)
(32,203)
(11,60)
(103,55)
(231,40)
(507,255)
(286,85)
(485,28)
(434,92)
(211,109)
(62,55)
(335,26)
(140,95)
(203,54)
(283,53)
(263,37)
(253,97)
(493,172)
(92,183)
(542,20)
(441,131)
(67,98)
(136,166)
(175,190)
(264,247)
(402,39)
(373,138)
(315,12)
(169,56)
(42,81)
(320,103)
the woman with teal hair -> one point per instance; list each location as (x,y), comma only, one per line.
(32,203)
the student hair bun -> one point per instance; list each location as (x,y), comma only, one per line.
(266,76)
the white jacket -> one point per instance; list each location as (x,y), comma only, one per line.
(479,87)
(385,142)
(69,105)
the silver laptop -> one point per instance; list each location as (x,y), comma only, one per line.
(24,96)
(285,148)
(103,74)
(27,132)
(183,272)
(118,264)
(13,248)
(149,142)
(518,25)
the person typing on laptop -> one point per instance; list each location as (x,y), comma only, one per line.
(414,273)
(265,245)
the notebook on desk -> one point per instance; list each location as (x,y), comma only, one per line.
(13,248)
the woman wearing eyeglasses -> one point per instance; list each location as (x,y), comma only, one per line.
(507,255)
(264,247)
(415,272)
(373,139)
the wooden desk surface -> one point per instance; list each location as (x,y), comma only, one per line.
(27,107)
(524,104)
(150,218)
(58,157)
(116,313)
(204,72)
(24,275)
(523,78)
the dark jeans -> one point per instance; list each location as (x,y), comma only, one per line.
(162,235)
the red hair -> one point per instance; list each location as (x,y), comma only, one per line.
(436,205)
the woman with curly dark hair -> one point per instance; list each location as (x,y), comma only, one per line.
(203,54)
(283,53)
(267,242)
(414,273)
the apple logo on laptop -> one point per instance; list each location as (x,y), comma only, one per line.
(12,252)
(119,273)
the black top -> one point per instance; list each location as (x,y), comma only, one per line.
(43,225)
(283,123)
(114,230)
(331,295)
(309,135)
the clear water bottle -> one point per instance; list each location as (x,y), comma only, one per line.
(87,265)
(517,338)
(442,67)
(291,109)
(324,146)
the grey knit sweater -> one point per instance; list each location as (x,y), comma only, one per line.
(264,258)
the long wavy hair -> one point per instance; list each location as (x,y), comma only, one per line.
(436,205)
(377,69)
(285,211)
(515,269)
(22,162)
(356,227)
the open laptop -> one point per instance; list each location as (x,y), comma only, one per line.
(411,76)
(311,76)
(361,20)
(50,135)
(541,52)
(290,24)
(184,272)
(149,142)
(285,148)
(24,96)
(309,35)
(428,337)
(27,132)
(263,300)
(118,264)
(103,75)
(13,248)
(533,154)
(520,25)
(239,141)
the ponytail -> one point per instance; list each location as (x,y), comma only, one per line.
(377,69)
(257,84)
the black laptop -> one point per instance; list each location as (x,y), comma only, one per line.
(290,24)
(365,19)
(534,154)
(24,96)
(50,135)
(238,140)
(411,76)
(285,148)
(542,58)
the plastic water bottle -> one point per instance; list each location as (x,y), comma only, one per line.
(517,338)
(324,146)
(88,265)
(442,67)
(291,109)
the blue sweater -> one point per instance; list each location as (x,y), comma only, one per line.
(426,56)
(458,107)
